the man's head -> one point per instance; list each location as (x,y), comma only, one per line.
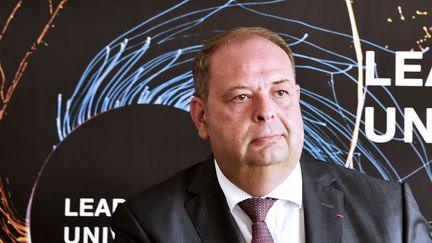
(201,65)
(247,103)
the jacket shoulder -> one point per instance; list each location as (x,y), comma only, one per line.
(351,181)
(166,191)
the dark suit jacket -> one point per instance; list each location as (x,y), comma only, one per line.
(340,205)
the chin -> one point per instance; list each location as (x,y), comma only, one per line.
(268,159)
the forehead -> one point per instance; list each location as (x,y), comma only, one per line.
(247,46)
(248,58)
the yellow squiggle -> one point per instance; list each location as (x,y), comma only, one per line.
(402,17)
(12,225)
(6,97)
(360,87)
(418,12)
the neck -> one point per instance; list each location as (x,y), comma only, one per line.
(259,181)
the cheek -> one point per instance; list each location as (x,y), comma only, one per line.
(220,123)
(232,117)
(292,120)
(229,131)
(230,123)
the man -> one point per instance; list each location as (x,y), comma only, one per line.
(257,186)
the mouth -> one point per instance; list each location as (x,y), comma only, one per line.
(267,139)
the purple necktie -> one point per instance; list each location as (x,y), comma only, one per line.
(256,209)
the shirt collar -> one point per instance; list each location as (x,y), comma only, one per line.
(290,189)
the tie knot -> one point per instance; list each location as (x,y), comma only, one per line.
(257,208)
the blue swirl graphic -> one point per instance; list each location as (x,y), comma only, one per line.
(147,65)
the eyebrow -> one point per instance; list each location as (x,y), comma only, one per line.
(282,81)
(226,94)
(246,87)
(242,87)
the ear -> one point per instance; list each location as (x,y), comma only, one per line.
(197,111)
(298,91)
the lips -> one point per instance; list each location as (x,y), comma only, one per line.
(267,139)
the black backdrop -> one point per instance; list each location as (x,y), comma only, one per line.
(92,119)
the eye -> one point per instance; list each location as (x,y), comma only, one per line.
(281,93)
(241,97)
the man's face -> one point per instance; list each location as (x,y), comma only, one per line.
(252,115)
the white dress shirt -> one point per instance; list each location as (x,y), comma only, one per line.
(285,219)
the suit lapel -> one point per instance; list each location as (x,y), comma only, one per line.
(323,204)
(208,209)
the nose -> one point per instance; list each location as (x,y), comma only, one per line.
(264,109)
